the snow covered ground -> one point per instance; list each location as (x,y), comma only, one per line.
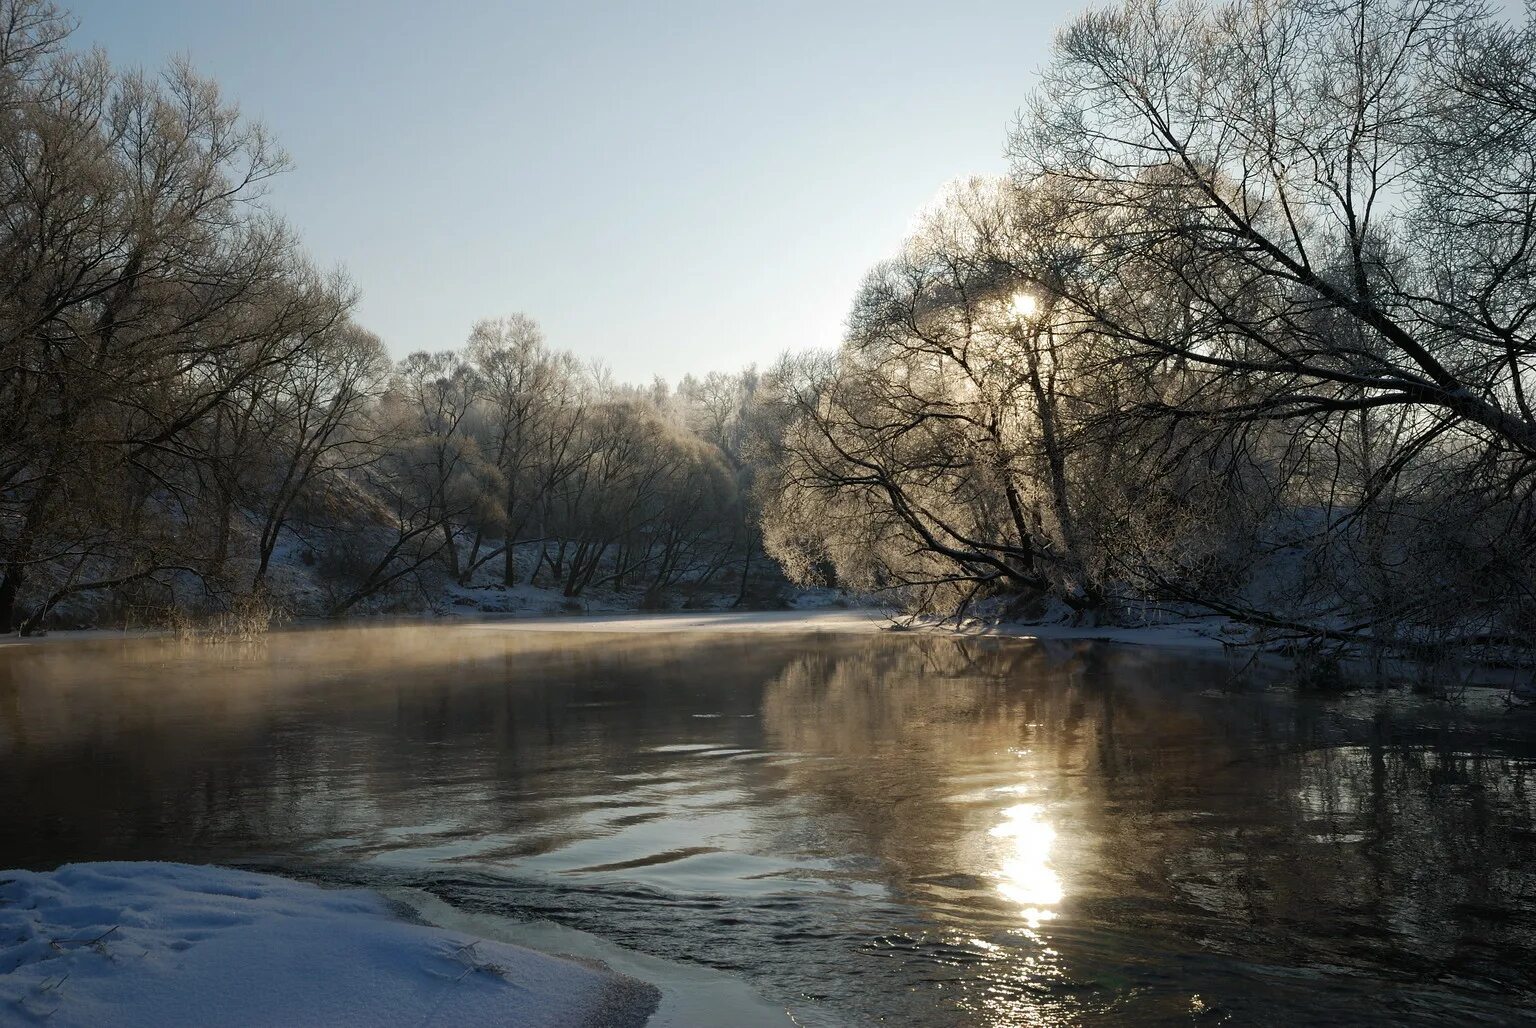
(165,945)
(1199,633)
(692,995)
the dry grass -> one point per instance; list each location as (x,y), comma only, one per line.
(248,617)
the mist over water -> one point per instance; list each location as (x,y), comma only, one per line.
(921,829)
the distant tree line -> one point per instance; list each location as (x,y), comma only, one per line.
(509,462)
(1248,330)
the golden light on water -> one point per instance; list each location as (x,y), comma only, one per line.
(1025,874)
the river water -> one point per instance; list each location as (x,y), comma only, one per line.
(888,828)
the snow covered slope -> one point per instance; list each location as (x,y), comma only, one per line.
(165,945)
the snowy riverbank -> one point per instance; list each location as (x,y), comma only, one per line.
(165,945)
(1209,634)
(1194,633)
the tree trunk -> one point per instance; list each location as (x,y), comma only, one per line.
(471,564)
(508,565)
(10,591)
(225,514)
(746,568)
(450,542)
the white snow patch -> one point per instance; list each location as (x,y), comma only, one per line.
(165,945)
(691,995)
(1212,633)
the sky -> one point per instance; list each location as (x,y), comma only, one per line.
(667,187)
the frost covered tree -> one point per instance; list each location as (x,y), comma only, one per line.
(649,504)
(936,452)
(145,289)
(429,484)
(1249,330)
(534,400)
(1318,214)
(722,409)
(320,425)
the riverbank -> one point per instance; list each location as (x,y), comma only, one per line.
(1195,633)
(164,945)
(1201,634)
(1212,636)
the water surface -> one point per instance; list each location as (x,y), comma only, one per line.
(893,829)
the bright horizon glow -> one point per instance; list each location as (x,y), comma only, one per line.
(673,189)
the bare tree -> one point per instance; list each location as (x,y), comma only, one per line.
(1316,217)
(937,445)
(431,480)
(318,426)
(144,290)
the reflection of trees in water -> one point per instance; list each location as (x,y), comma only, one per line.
(958,766)
(151,748)
(933,736)
(1186,823)
(1428,839)
(1359,831)
(1363,842)
(912,727)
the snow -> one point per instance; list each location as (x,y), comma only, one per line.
(1193,633)
(165,945)
(691,994)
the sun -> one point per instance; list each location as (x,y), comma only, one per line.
(1024,304)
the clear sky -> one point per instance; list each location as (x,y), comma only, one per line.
(667,186)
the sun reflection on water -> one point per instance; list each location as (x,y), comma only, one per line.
(1025,874)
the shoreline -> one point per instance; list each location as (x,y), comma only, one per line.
(1205,637)
(167,944)
(1192,634)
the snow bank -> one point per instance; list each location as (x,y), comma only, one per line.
(165,945)
(1194,633)
(692,995)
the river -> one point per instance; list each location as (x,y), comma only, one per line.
(879,828)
